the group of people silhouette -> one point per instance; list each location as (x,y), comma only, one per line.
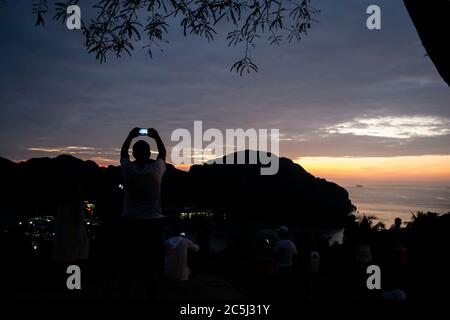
(277,254)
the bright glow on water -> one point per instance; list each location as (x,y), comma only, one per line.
(387,202)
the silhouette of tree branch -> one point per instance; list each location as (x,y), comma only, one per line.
(119,24)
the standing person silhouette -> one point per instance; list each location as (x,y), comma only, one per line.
(142,246)
(71,243)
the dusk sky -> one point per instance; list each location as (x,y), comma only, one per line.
(351,104)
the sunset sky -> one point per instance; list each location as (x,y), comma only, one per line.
(352,105)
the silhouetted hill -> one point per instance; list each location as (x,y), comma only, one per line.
(31,187)
(291,194)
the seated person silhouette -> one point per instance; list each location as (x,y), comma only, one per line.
(176,256)
(142,247)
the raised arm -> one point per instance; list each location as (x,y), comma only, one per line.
(193,246)
(152,133)
(126,144)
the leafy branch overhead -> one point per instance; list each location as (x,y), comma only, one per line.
(118,25)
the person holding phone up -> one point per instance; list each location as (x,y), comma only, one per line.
(142,246)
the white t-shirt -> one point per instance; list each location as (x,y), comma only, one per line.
(175,261)
(142,189)
(284,250)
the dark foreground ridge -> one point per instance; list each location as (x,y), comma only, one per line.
(31,188)
(236,260)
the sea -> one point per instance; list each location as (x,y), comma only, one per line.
(386,202)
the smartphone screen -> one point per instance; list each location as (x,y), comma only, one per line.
(143,132)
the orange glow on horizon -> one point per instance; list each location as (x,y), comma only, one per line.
(105,162)
(184,167)
(420,168)
(376,169)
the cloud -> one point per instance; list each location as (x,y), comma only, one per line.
(54,95)
(396,127)
(103,156)
(81,151)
